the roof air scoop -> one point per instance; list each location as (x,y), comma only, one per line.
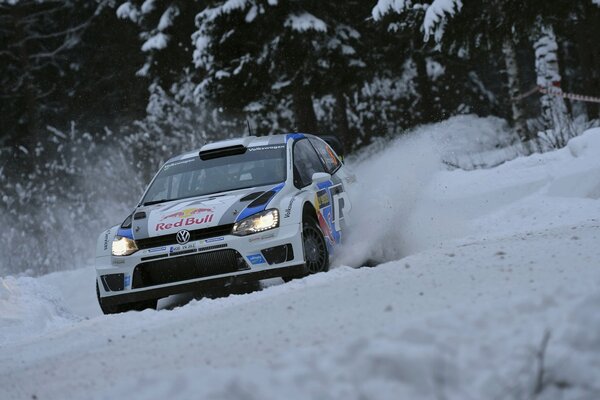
(222,152)
(225,148)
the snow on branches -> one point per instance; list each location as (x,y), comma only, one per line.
(435,17)
(385,6)
(305,22)
(436,14)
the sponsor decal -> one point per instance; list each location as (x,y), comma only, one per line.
(273,147)
(256,259)
(322,199)
(176,163)
(331,218)
(106,240)
(187,217)
(288,211)
(116,261)
(154,250)
(215,239)
(254,239)
(127,281)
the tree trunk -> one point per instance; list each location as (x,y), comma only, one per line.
(304,112)
(341,117)
(28,91)
(554,111)
(424,88)
(514,89)
(585,47)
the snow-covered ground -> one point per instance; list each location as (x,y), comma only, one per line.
(488,288)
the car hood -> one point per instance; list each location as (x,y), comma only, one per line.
(200,212)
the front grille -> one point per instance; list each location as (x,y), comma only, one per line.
(187,267)
(197,234)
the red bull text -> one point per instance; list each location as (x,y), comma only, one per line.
(186,218)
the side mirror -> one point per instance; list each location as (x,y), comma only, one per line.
(320,177)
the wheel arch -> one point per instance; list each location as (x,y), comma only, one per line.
(308,211)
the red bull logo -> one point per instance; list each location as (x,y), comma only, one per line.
(187,217)
(188,212)
(325,228)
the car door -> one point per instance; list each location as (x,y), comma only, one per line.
(334,166)
(331,200)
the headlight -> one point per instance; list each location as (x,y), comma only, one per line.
(260,222)
(122,246)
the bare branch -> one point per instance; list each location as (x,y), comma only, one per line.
(540,355)
(48,93)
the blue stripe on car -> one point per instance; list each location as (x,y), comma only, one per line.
(128,233)
(293,136)
(248,211)
(324,185)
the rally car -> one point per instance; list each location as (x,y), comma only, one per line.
(235,211)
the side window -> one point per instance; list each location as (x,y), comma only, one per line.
(332,163)
(306,163)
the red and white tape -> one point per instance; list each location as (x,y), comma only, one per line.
(572,96)
(553,91)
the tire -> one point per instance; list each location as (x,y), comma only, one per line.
(120,308)
(316,255)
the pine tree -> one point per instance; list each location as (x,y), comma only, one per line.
(447,78)
(498,24)
(39,41)
(250,51)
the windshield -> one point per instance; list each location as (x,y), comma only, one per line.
(258,166)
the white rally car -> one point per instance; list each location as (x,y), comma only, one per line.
(235,211)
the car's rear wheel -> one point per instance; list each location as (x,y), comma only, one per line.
(120,308)
(316,256)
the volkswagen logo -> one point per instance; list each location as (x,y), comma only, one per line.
(183,236)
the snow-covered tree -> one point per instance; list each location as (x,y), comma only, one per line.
(249,50)
(447,82)
(38,39)
(554,110)
(497,24)
(164,30)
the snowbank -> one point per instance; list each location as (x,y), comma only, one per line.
(542,348)
(29,307)
(491,291)
(406,201)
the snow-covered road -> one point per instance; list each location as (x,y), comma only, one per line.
(499,260)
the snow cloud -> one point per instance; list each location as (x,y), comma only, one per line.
(389,217)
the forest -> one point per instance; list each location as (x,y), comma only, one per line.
(96,94)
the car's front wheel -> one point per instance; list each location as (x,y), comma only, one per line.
(120,308)
(316,255)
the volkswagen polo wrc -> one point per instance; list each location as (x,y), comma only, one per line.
(234,211)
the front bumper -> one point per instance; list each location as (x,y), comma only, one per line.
(209,262)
